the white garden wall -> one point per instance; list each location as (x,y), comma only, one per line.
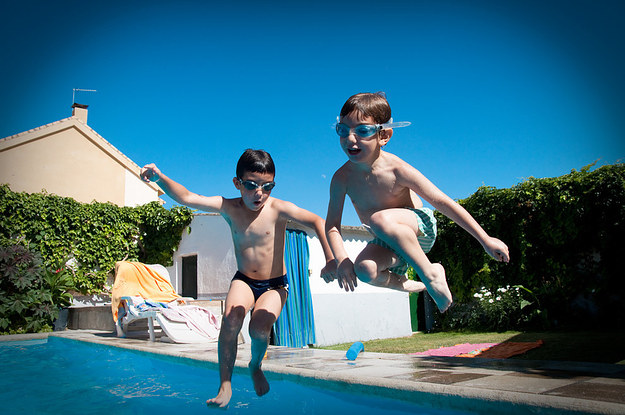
(340,317)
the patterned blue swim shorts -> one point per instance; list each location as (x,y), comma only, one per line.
(426,238)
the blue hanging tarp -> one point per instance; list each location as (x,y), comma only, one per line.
(296,327)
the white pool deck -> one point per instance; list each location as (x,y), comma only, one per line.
(488,385)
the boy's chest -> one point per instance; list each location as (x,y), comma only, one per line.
(372,184)
(254,230)
(375,190)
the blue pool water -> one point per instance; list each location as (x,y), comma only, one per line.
(61,376)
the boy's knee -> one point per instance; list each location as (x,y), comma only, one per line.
(233,319)
(366,270)
(259,331)
(377,219)
(260,324)
(381,223)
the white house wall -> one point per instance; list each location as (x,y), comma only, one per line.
(210,239)
(136,192)
(366,313)
(340,317)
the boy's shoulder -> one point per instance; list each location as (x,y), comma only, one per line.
(282,205)
(343,172)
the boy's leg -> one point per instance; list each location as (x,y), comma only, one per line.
(238,302)
(265,313)
(373,267)
(399,228)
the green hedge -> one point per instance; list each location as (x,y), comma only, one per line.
(566,239)
(93,236)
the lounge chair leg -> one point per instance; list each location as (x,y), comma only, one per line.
(151,327)
(120,329)
(121,313)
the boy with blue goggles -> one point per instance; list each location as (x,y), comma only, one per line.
(385,192)
(366,130)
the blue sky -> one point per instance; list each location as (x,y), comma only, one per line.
(496,91)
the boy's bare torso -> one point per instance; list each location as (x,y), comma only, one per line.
(257,237)
(382,186)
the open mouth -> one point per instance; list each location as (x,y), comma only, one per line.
(353,151)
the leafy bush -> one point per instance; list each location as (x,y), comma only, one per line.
(30,295)
(92,235)
(565,237)
(502,309)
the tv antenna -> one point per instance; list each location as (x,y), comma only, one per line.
(80,90)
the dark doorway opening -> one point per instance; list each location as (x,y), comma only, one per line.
(189,276)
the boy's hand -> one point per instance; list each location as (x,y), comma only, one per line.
(150,173)
(328,273)
(497,249)
(346,276)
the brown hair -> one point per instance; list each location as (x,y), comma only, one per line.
(368,104)
(255,161)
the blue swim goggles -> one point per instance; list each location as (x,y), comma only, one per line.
(367,130)
(252,185)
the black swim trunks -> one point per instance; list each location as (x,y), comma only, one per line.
(259,287)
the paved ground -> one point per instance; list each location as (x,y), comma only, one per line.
(487,385)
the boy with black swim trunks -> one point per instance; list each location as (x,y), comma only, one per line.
(258,225)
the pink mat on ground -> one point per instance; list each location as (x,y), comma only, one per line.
(486,350)
(464,348)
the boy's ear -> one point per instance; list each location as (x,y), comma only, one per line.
(235,180)
(385,136)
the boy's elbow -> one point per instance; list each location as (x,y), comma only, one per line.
(320,225)
(184,199)
(332,223)
(328,226)
(332,229)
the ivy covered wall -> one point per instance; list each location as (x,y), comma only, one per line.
(92,236)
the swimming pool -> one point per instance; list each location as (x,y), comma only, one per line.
(62,376)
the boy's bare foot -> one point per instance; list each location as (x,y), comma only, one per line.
(413,286)
(261,386)
(223,397)
(439,290)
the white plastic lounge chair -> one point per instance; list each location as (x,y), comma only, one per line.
(135,308)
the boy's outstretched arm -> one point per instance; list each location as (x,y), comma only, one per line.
(345,267)
(454,211)
(493,246)
(180,193)
(309,219)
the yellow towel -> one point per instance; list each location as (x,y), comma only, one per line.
(135,278)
